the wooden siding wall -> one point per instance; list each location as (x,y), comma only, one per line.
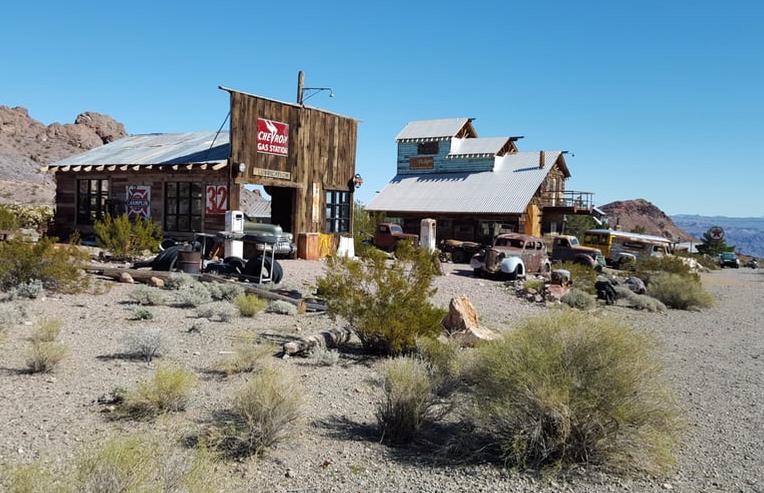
(66,195)
(322,150)
(441,164)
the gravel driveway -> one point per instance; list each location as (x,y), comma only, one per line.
(715,360)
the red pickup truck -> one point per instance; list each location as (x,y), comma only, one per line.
(387,236)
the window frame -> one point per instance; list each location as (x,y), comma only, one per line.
(337,209)
(183,219)
(428,148)
(88,215)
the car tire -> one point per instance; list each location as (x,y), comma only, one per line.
(237,263)
(254,264)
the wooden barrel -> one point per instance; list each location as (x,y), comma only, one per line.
(189,261)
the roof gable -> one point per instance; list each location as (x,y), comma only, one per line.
(437,129)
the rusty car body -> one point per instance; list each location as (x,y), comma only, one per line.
(513,255)
(387,236)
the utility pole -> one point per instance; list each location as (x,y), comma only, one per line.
(300,84)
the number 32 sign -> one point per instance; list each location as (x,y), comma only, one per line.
(217,199)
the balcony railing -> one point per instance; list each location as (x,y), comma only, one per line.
(568,199)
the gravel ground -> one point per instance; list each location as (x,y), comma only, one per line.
(714,359)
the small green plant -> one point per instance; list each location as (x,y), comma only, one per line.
(8,220)
(535,284)
(167,391)
(282,308)
(323,356)
(583,276)
(146,344)
(126,238)
(250,305)
(581,300)
(682,293)
(178,280)
(264,412)
(146,295)
(570,388)
(388,306)
(409,399)
(249,356)
(141,313)
(58,268)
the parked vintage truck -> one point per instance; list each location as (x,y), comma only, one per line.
(513,255)
(566,248)
(387,236)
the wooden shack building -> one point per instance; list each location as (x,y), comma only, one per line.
(304,157)
(476,187)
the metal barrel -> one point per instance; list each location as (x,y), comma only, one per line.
(190,261)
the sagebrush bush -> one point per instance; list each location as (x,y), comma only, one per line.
(221,311)
(323,356)
(57,267)
(282,308)
(648,267)
(408,401)
(388,306)
(680,292)
(224,291)
(583,276)
(141,313)
(31,289)
(167,391)
(11,314)
(178,280)
(639,301)
(126,238)
(147,295)
(192,295)
(146,344)
(570,388)
(250,305)
(576,298)
(249,356)
(264,412)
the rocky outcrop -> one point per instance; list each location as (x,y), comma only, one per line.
(641,216)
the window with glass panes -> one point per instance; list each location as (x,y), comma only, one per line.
(337,212)
(183,204)
(91,200)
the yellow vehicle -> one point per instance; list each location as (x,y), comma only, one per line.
(619,246)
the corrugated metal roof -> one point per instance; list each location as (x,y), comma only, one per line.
(258,209)
(477,145)
(156,149)
(506,190)
(432,129)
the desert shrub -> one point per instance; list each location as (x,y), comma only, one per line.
(46,331)
(445,361)
(141,313)
(569,388)
(12,314)
(576,298)
(639,301)
(198,326)
(192,295)
(146,295)
(263,413)
(126,238)
(706,261)
(25,216)
(675,291)
(248,356)
(178,280)
(323,356)
(57,267)
(167,391)
(409,399)
(250,305)
(8,219)
(388,306)
(44,356)
(146,344)
(282,308)
(31,289)
(224,291)
(583,276)
(650,266)
(222,311)
(537,284)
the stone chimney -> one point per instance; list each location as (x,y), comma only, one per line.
(541,159)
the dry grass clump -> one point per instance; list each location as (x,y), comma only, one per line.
(648,267)
(248,356)
(167,391)
(323,356)
(639,301)
(569,388)
(583,276)
(682,293)
(146,295)
(263,413)
(250,305)
(581,300)
(45,352)
(409,399)
(446,360)
(126,464)
(147,345)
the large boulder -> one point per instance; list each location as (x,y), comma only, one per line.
(473,336)
(461,315)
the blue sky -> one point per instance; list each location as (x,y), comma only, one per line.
(657,99)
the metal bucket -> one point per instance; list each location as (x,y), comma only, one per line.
(189,261)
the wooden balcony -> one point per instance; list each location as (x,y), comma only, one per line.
(567,202)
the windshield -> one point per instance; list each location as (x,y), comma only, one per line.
(396,229)
(574,242)
(510,242)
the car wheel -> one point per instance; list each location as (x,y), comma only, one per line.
(255,264)
(237,263)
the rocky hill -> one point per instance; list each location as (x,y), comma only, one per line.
(27,144)
(639,215)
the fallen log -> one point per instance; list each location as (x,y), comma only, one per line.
(331,338)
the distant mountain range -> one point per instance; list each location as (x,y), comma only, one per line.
(745,233)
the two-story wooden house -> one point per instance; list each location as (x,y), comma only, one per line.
(476,187)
